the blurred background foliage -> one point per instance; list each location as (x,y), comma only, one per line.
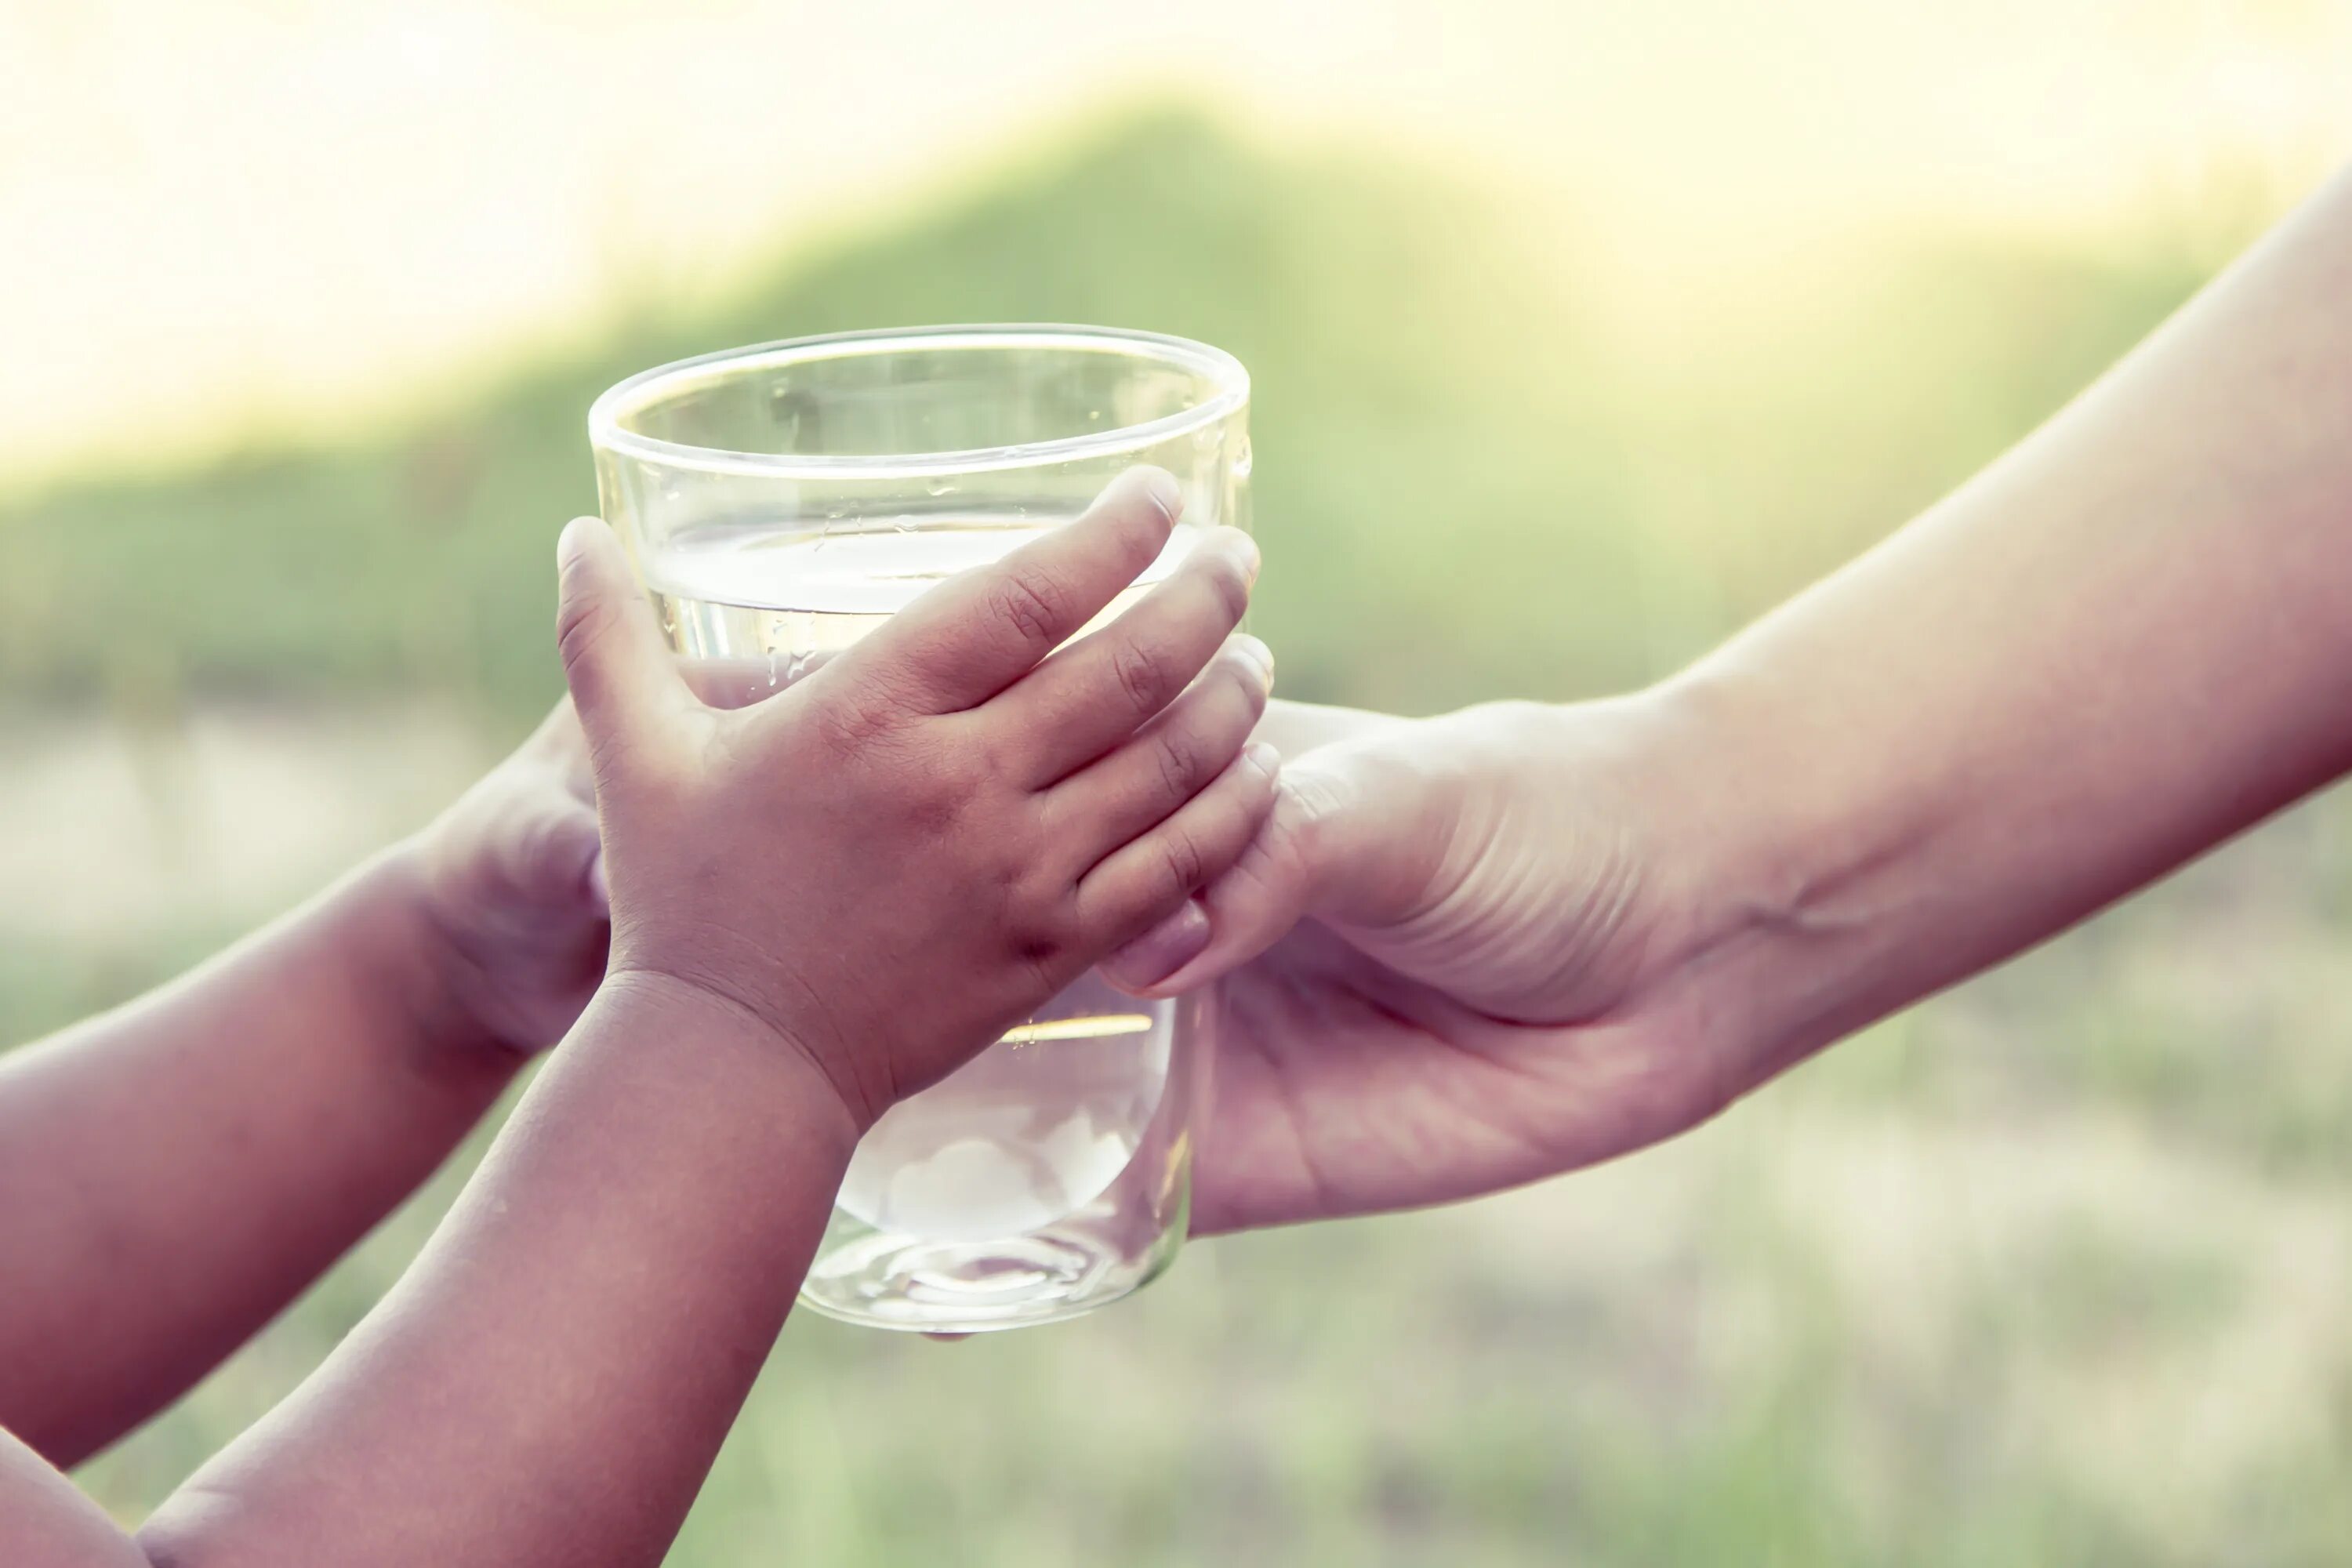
(1450,414)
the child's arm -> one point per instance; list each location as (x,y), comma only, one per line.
(822,903)
(549,1382)
(173,1173)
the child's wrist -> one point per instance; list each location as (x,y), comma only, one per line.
(670,1008)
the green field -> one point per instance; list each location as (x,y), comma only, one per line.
(2050,1271)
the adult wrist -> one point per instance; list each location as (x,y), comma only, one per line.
(1794,849)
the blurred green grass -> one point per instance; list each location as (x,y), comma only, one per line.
(1790,1339)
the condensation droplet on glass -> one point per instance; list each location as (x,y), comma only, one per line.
(1242,461)
(1206,438)
(940,487)
(772,669)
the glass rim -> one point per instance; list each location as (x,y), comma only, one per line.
(1226,376)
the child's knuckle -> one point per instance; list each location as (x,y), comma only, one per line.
(1183,863)
(939,790)
(1031,598)
(965,766)
(999,757)
(1145,673)
(1181,761)
(853,715)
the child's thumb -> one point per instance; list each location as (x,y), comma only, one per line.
(619,668)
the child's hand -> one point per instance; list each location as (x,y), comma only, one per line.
(894,860)
(512,879)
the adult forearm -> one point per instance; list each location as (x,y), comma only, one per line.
(2125,642)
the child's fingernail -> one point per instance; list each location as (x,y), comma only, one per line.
(1260,657)
(1162,951)
(1163,489)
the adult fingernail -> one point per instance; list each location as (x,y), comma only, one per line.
(1162,951)
(1263,758)
(598,887)
(1251,558)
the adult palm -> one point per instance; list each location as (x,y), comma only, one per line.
(1485,987)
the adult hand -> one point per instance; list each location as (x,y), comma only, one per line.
(1480,992)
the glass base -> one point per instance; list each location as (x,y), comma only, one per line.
(886,1282)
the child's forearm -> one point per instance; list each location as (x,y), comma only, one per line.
(173,1173)
(550,1381)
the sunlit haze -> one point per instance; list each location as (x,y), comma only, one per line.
(290,215)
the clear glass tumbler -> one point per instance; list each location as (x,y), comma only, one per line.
(780,502)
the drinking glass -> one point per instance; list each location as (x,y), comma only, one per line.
(781,502)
